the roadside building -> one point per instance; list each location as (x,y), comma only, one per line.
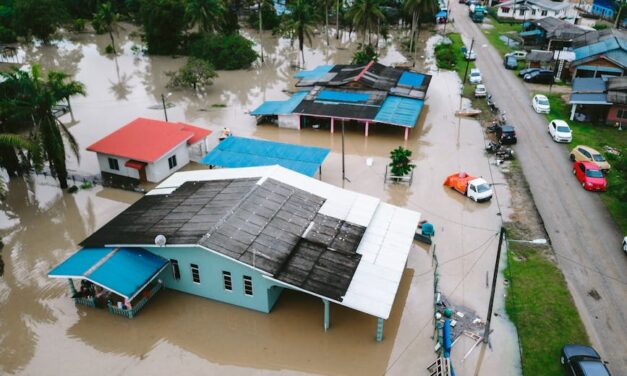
(588,99)
(243,235)
(149,150)
(550,33)
(600,54)
(603,8)
(617,95)
(539,59)
(371,94)
(525,10)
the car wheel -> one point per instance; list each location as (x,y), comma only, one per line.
(562,360)
(583,185)
(572,157)
(574,172)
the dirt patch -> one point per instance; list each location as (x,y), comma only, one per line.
(594,294)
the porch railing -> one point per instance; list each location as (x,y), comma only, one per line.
(130,313)
(90,302)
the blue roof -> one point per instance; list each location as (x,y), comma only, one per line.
(588,84)
(342,96)
(280,107)
(411,79)
(599,68)
(122,270)
(314,74)
(400,111)
(588,98)
(604,4)
(247,152)
(600,47)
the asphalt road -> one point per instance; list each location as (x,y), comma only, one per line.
(586,240)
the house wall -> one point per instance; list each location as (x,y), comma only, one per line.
(211,286)
(103,161)
(612,115)
(532,13)
(602,11)
(599,62)
(159,170)
(289,121)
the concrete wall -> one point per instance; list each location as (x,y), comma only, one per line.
(289,121)
(159,170)
(211,265)
(529,14)
(612,115)
(103,161)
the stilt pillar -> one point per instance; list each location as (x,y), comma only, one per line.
(327,319)
(406,133)
(367,124)
(332,125)
(379,329)
(572,111)
(72,287)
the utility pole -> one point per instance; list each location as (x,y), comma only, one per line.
(165,112)
(472,43)
(486,333)
(343,165)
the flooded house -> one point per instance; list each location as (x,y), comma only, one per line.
(371,94)
(149,150)
(243,235)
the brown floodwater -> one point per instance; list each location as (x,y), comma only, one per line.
(43,333)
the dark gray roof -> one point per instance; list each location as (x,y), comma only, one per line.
(595,36)
(559,29)
(539,55)
(271,226)
(588,85)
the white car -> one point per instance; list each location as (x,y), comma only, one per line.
(480,91)
(560,131)
(540,104)
(475,76)
(519,55)
(470,55)
(625,244)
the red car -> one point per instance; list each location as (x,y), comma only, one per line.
(590,176)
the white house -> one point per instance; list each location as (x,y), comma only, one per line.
(525,10)
(149,150)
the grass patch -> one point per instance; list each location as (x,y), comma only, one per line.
(539,304)
(450,56)
(597,136)
(501,28)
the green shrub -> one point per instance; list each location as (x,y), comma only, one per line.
(600,26)
(78,25)
(7,35)
(365,54)
(445,56)
(225,52)
(196,73)
(109,49)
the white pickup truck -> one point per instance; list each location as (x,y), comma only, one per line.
(476,188)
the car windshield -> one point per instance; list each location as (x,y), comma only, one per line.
(598,158)
(563,129)
(483,188)
(474,74)
(543,101)
(594,174)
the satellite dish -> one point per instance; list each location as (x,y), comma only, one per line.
(160,240)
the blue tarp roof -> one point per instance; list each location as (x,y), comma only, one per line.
(314,74)
(530,33)
(411,79)
(342,96)
(247,152)
(400,111)
(441,13)
(122,270)
(588,84)
(588,98)
(280,107)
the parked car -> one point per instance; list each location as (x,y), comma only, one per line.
(526,71)
(475,188)
(542,76)
(588,154)
(625,244)
(470,55)
(590,176)
(581,360)
(540,104)
(518,55)
(510,62)
(560,131)
(480,91)
(475,76)
(507,135)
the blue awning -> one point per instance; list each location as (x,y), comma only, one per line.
(400,111)
(247,152)
(125,271)
(280,107)
(411,79)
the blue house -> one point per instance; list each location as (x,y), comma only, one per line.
(603,8)
(243,235)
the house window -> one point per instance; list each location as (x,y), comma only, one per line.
(544,13)
(195,273)
(248,285)
(113,164)
(176,272)
(228,283)
(172,162)
(505,10)
(522,12)
(533,12)
(621,114)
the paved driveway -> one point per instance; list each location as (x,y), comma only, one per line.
(586,240)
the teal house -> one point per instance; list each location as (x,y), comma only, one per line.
(241,236)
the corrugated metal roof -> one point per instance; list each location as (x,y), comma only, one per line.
(280,107)
(411,79)
(342,96)
(588,85)
(599,68)
(588,98)
(247,152)
(400,111)
(601,47)
(121,270)
(530,33)
(314,74)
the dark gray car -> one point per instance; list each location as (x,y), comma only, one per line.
(581,360)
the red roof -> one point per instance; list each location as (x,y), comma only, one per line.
(147,140)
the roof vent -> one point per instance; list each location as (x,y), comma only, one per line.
(160,240)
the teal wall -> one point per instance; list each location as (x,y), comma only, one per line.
(265,293)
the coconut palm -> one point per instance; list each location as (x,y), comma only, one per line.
(208,15)
(29,100)
(365,15)
(300,22)
(106,20)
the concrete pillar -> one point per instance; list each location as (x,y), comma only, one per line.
(367,124)
(572,111)
(299,126)
(72,287)
(379,329)
(406,133)
(332,124)
(327,319)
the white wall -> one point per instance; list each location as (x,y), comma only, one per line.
(103,161)
(289,121)
(514,13)
(159,170)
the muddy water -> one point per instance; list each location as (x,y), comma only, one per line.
(43,333)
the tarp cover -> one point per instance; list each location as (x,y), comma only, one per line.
(314,74)
(121,270)
(400,111)
(247,152)
(412,79)
(342,96)
(459,181)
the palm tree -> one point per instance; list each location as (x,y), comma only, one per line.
(107,20)
(208,15)
(9,140)
(412,7)
(29,99)
(365,15)
(300,23)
